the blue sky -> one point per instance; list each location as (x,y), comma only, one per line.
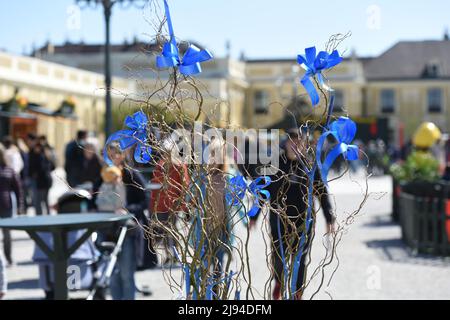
(260,28)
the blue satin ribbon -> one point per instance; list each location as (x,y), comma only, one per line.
(136,135)
(170,57)
(238,187)
(314,65)
(209,289)
(256,189)
(344,131)
(299,255)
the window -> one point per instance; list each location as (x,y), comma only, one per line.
(434,100)
(387,101)
(338,100)
(432,70)
(261,101)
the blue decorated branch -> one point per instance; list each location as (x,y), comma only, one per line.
(343,130)
(136,136)
(170,56)
(314,65)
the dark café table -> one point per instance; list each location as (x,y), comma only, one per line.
(59,226)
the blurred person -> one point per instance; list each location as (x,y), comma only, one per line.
(219,229)
(169,199)
(9,183)
(48,149)
(217,218)
(23,149)
(91,165)
(122,284)
(31,140)
(3,282)
(28,185)
(40,168)
(14,160)
(74,159)
(12,155)
(288,194)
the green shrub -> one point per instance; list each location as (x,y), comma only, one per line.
(419,165)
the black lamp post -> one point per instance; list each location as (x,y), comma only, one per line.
(107,10)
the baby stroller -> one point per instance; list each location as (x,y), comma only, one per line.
(91,265)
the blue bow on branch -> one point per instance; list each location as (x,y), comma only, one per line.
(256,189)
(314,65)
(238,187)
(190,64)
(343,130)
(136,135)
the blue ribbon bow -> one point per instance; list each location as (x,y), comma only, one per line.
(238,187)
(190,64)
(256,189)
(236,190)
(343,130)
(135,135)
(314,65)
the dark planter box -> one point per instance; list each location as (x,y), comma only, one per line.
(396,190)
(424,216)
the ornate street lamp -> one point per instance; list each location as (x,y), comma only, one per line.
(107,10)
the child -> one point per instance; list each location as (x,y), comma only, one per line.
(111,195)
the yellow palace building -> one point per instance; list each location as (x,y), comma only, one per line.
(50,99)
(388,95)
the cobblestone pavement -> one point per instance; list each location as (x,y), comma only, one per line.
(372,261)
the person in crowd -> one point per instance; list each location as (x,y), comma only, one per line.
(74,159)
(40,168)
(91,165)
(168,200)
(288,209)
(25,147)
(9,183)
(31,141)
(13,160)
(12,155)
(48,149)
(23,150)
(3,281)
(215,196)
(122,284)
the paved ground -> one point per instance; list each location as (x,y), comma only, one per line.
(373,262)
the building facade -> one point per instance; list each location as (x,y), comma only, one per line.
(46,89)
(404,86)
